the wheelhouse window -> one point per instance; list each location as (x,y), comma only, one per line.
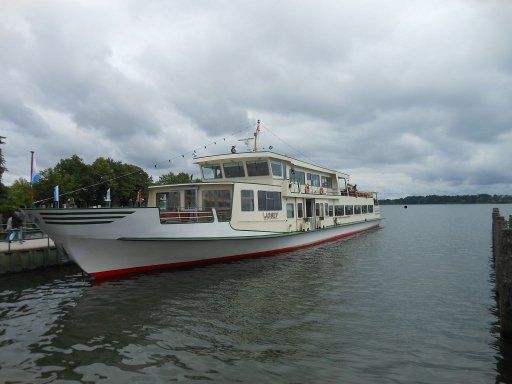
(357,209)
(349,210)
(331,210)
(317,209)
(338,210)
(298,177)
(211,172)
(290,214)
(370,209)
(247,200)
(300,211)
(257,168)
(364,208)
(326,182)
(234,169)
(216,199)
(190,198)
(313,179)
(277,168)
(269,201)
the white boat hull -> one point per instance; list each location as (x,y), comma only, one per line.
(106,244)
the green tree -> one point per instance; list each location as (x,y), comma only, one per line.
(17,195)
(171,178)
(89,182)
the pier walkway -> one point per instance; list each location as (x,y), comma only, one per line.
(29,255)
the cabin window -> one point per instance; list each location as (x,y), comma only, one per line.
(162,201)
(211,172)
(257,168)
(370,209)
(326,212)
(234,169)
(300,212)
(317,209)
(247,200)
(289,211)
(349,209)
(277,168)
(331,210)
(298,177)
(217,199)
(364,208)
(357,209)
(190,198)
(338,210)
(269,201)
(326,182)
(313,180)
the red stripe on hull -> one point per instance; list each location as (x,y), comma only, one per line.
(127,271)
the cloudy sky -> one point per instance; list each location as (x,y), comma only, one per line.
(409,97)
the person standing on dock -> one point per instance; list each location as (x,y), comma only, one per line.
(8,228)
(17,223)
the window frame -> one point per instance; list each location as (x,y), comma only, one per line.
(292,205)
(275,162)
(300,210)
(245,199)
(255,162)
(265,199)
(210,166)
(232,165)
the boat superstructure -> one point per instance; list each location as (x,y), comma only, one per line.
(246,204)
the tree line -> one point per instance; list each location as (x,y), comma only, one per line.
(445,199)
(89,182)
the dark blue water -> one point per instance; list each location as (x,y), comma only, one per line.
(409,303)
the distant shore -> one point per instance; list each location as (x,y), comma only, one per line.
(442,199)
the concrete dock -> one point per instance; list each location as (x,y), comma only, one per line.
(30,255)
(502,257)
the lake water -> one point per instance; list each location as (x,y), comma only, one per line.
(410,303)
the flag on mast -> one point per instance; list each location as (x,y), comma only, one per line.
(56,193)
(34,177)
(107,198)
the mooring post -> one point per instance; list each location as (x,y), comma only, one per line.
(502,251)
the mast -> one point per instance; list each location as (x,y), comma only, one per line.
(255,149)
(31,176)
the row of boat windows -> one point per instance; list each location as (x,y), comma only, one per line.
(211,199)
(312,179)
(326,209)
(241,169)
(261,168)
(267,201)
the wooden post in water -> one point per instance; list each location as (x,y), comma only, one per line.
(502,254)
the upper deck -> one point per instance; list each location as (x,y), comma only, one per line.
(268,168)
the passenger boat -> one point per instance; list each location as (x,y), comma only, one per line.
(246,205)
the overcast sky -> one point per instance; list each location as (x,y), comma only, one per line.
(408,97)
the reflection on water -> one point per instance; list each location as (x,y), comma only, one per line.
(411,302)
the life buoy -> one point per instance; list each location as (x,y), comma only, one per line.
(307,188)
(366,194)
(357,194)
(321,190)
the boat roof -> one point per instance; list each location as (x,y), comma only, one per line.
(267,155)
(201,183)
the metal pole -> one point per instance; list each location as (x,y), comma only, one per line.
(31,175)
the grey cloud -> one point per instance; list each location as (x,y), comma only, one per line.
(419,91)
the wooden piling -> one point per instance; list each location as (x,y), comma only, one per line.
(502,256)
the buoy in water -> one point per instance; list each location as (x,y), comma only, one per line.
(405,206)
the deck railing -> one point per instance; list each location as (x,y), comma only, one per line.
(194,215)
